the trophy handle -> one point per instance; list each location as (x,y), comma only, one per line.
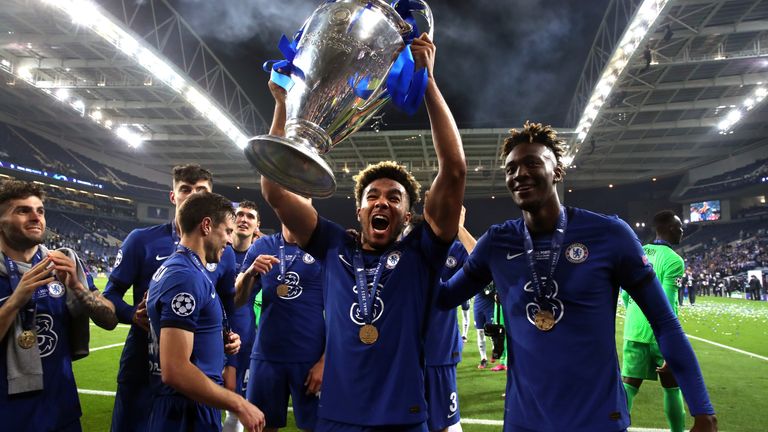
(426,12)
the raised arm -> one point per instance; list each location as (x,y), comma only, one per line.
(294,211)
(465,237)
(247,279)
(447,192)
(99,309)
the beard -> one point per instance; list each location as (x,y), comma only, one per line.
(17,240)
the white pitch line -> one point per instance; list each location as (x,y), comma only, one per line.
(483,422)
(758,356)
(118,326)
(108,346)
(96,392)
(729,347)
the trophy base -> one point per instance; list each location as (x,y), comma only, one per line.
(295,167)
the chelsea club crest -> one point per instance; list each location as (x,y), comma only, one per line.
(576,253)
(308,259)
(450,262)
(211,267)
(55,289)
(392,260)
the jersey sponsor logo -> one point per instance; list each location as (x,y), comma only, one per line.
(293,280)
(211,267)
(161,258)
(183,304)
(119,258)
(511,256)
(55,289)
(551,303)
(46,337)
(576,253)
(159,273)
(378,308)
(392,260)
(308,259)
(450,262)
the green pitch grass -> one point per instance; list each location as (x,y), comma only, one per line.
(737,382)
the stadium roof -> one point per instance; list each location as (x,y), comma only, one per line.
(692,97)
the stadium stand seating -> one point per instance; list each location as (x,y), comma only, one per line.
(25,148)
(746,176)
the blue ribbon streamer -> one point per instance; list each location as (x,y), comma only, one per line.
(281,70)
(404,84)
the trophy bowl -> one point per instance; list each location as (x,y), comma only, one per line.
(340,68)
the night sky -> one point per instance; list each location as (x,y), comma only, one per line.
(498,62)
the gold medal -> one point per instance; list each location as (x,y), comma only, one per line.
(282,290)
(368,334)
(27,339)
(544,320)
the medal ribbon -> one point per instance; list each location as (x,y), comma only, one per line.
(189,253)
(662,242)
(281,255)
(30,309)
(365,299)
(541,291)
(174,234)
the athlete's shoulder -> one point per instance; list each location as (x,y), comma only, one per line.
(508,228)
(151,232)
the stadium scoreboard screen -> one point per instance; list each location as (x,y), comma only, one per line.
(705,211)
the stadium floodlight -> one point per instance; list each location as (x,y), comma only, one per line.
(132,138)
(638,28)
(87,14)
(737,113)
(62,94)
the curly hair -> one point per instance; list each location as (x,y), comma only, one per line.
(390,170)
(535,133)
(17,189)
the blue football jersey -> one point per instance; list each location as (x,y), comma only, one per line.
(141,254)
(181,295)
(292,327)
(57,405)
(381,383)
(567,378)
(442,342)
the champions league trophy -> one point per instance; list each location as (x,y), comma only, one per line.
(341,73)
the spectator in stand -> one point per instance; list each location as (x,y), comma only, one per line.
(755,288)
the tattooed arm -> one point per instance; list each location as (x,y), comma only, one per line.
(99,309)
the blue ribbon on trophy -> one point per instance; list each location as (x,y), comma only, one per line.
(280,70)
(405,85)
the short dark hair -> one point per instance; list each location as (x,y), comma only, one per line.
(663,218)
(390,170)
(17,189)
(202,205)
(248,204)
(535,133)
(191,173)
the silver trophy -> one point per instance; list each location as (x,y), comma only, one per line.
(344,45)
